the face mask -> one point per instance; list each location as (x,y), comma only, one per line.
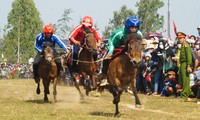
(151,50)
(161,47)
(155,46)
(179,45)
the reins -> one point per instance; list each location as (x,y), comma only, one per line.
(82,60)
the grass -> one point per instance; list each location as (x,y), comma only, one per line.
(18,101)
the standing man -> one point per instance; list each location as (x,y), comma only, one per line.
(185,66)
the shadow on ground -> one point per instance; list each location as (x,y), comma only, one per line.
(38,101)
(96,113)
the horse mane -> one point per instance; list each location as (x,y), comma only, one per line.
(132,36)
(46,44)
(87,30)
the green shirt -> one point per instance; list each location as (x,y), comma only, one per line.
(186,53)
(117,39)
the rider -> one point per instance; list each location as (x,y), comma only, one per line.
(77,35)
(117,38)
(47,36)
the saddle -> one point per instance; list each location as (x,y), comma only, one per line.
(117,52)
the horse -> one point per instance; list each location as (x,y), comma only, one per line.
(48,71)
(123,69)
(86,64)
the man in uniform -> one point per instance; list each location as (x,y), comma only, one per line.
(185,66)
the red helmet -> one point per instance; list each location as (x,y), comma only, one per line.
(87,21)
(48,29)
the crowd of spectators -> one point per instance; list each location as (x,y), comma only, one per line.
(165,68)
(16,71)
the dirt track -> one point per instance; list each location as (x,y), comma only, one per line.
(19,101)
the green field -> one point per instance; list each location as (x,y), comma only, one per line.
(18,101)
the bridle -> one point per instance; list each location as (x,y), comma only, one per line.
(49,57)
(85,45)
(132,60)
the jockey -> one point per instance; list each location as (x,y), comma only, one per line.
(117,38)
(77,35)
(47,36)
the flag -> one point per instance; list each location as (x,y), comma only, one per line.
(175,28)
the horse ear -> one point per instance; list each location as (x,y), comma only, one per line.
(42,53)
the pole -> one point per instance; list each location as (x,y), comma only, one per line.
(18,41)
(168,21)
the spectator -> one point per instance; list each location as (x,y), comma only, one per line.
(146,74)
(170,84)
(198,29)
(185,66)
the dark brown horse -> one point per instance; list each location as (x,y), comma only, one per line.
(86,63)
(123,69)
(47,70)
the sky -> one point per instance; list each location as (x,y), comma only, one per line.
(185,13)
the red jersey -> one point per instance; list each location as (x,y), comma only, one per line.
(78,34)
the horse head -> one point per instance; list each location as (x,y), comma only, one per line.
(89,41)
(47,51)
(133,42)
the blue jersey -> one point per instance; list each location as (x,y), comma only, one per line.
(41,39)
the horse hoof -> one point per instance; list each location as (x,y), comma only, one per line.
(38,91)
(46,100)
(87,93)
(117,114)
(138,106)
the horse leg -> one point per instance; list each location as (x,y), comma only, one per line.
(38,88)
(116,94)
(76,84)
(54,89)
(87,84)
(94,84)
(137,101)
(87,87)
(46,90)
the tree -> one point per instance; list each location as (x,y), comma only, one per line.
(150,20)
(23,25)
(62,29)
(118,20)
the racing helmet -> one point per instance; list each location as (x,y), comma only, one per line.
(87,21)
(48,29)
(132,21)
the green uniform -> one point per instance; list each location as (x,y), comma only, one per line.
(117,39)
(184,79)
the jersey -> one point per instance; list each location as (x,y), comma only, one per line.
(41,39)
(117,39)
(78,34)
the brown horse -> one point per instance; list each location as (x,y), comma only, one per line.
(47,70)
(86,63)
(123,69)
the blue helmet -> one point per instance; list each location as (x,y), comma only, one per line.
(132,21)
